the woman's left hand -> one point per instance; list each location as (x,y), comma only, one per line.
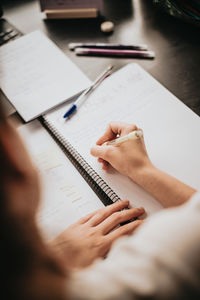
(92,236)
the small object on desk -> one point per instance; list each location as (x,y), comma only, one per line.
(82,97)
(136,134)
(68,9)
(73,46)
(114,52)
(7,32)
(83,13)
(107,26)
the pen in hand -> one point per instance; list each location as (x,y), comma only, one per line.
(136,134)
(82,97)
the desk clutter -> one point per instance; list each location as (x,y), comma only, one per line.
(8,32)
(111,50)
(37,76)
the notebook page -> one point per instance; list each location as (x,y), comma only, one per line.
(35,75)
(66,197)
(170,129)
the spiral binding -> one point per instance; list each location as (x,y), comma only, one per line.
(100,187)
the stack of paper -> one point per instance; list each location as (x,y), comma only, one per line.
(36,75)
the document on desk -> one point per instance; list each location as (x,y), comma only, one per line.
(65,195)
(171,130)
(36,75)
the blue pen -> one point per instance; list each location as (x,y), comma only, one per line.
(82,97)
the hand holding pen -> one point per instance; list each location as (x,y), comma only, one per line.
(84,95)
(133,135)
(124,150)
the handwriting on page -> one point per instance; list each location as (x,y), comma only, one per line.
(65,195)
(111,101)
(145,102)
(125,96)
(63,203)
(47,160)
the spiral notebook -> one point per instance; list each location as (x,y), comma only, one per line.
(131,95)
(65,196)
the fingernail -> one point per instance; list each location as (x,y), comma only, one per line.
(141,208)
(125,202)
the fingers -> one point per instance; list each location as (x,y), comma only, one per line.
(87,217)
(102,152)
(104,213)
(100,160)
(114,129)
(107,136)
(123,230)
(105,165)
(119,217)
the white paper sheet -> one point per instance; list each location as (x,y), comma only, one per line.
(35,75)
(171,129)
(66,196)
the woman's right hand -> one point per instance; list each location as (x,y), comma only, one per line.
(129,158)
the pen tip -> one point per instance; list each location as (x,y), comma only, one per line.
(81,51)
(72,46)
(61,120)
(151,54)
(111,67)
(139,133)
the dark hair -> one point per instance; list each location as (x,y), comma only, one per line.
(2,114)
(29,268)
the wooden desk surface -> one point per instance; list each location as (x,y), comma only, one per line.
(176,44)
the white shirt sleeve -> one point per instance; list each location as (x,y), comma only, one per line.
(160,261)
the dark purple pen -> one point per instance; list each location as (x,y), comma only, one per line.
(114,53)
(73,46)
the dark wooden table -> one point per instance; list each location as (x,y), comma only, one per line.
(176,44)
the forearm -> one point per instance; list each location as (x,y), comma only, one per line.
(164,188)
(131,159)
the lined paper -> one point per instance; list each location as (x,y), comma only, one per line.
(171,129)
(65,195)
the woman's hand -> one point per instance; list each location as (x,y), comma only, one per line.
(129,158)
(93,236)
